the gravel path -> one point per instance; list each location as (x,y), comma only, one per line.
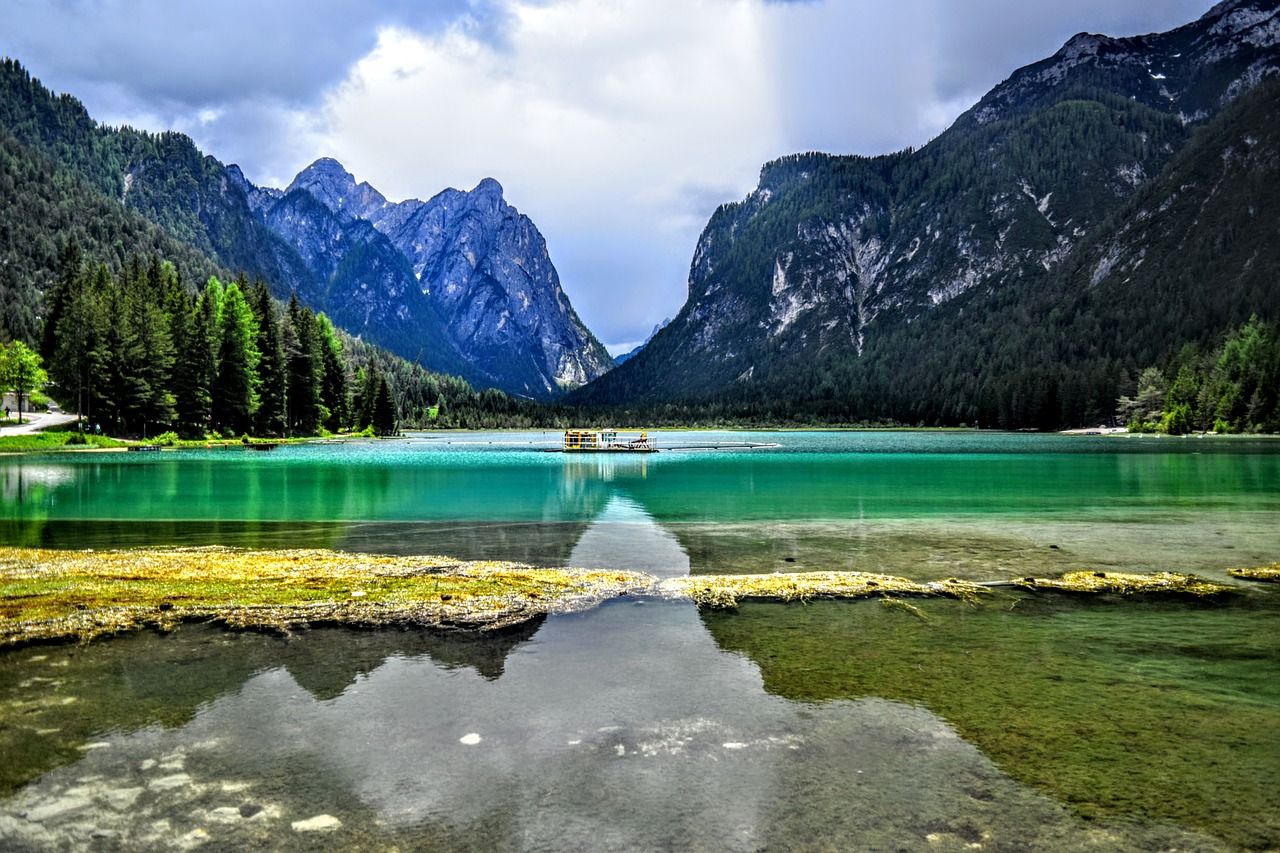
(36,421)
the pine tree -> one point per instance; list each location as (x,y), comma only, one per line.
(272,415)
(123,389)
(192,371)
(235,393)
(367,383)
(70,263)
(302,353)
(333,385)
(155,368)
(384,409)
(72,362)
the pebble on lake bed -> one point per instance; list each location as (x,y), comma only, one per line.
(470,739)
(319,823)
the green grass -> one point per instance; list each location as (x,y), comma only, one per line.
(52,440)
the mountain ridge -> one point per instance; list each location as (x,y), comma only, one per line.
(371,291)
(482,265)
(807,290)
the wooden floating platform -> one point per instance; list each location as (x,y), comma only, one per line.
(145,448)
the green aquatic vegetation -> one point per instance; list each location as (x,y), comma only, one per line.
(904,607)
(1125,583)
(1162,710)
(1270,574)
(51,594)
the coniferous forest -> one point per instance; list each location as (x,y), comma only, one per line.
(141,353)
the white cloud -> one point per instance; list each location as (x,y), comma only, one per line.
(598,118)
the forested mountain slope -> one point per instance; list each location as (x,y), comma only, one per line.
(516,330)
(1087,217)
(50,213)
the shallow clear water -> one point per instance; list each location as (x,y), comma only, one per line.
(1021,722)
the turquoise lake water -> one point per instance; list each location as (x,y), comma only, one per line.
(1022,722)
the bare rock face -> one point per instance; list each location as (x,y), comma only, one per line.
(481,266)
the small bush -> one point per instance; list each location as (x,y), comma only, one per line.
(167,439)
(77,438)
(1177,421)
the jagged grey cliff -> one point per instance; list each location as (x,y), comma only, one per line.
(466,264)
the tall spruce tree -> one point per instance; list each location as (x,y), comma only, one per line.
(155,368)
(272,415)
(70,264)
(302,352)
(122,390)
(384,408)
(367,390)
(74,362)
(333,386)
(193,367)
(235,391)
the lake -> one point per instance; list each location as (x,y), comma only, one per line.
(1021,721)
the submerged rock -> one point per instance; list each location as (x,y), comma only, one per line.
(319,823)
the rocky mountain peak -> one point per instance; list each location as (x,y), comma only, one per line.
(488,187)
(237,177)
(1083,45)
(847,262)
(481,265)
(329,182)
(1237,18)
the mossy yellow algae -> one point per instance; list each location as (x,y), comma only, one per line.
(1124,583)
(1268,574)
(728,590)
(46,594)
(79,595)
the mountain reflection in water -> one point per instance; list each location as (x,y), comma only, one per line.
(623,728)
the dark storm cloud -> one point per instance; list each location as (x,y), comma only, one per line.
(869,78)
(167,53)
(983,41)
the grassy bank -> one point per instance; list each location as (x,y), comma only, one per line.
(55,440)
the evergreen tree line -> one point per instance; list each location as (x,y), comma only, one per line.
(140,354)
(1233,387)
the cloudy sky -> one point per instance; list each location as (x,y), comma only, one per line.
(617,125)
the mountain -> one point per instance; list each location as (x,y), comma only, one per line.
(632,353)
(477,261)
(504,322)
(1069,229)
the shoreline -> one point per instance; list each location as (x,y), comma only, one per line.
(235,444)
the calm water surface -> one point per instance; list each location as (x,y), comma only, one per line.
(1020,722)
